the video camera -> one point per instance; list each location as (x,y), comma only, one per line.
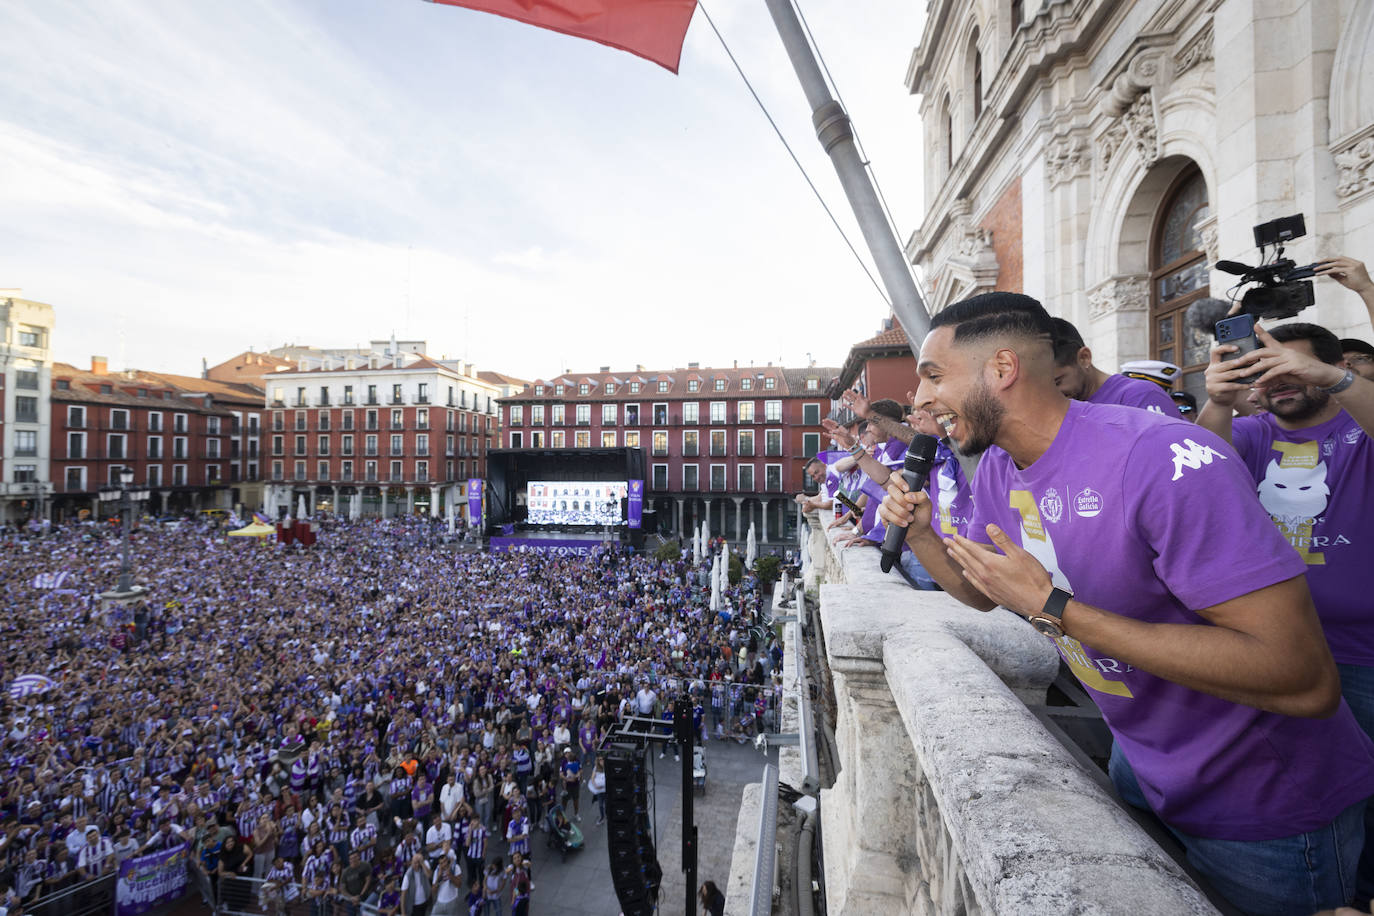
(1282,288)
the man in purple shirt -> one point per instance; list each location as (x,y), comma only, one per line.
(1078,378)
(1135,541)
(1311,457)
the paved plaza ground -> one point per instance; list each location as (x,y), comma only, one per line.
(581,886)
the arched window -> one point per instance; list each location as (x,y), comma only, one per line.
(947,124)
(976,80)
(1178,277)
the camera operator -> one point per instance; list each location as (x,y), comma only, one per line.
(1077,377)
(1136,541)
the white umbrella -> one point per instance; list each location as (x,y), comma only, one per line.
(751,549)
(706,533)
(697,554)
(27,685)
(300,507)
(355,505)
(715,584)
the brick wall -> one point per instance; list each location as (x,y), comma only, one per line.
(1004,222)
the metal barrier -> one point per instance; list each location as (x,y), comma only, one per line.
(766,853)
(89,897)
(243,896)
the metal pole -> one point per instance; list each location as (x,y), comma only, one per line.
(837,138)
(686,739)
(125,579)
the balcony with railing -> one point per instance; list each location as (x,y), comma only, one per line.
(950,762)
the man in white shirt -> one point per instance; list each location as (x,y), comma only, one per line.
(436,835)
(646,701)
(450,797)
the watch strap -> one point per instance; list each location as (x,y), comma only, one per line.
(1346,381)
(1055,603)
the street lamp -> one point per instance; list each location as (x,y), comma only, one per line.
(127,498)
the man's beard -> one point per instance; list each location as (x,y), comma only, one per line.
(982,416)
(1309,403)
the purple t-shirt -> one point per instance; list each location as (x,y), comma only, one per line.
(1314,483)
(1149,517)
(1135,392)
(891,454)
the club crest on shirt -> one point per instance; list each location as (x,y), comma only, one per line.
(1088,504)
(1051,506)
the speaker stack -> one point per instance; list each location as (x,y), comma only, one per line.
(635,871)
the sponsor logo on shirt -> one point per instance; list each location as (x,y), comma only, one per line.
(1352,436)
(1088,503)
(1192,456)
(1051,506)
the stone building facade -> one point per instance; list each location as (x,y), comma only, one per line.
(1102,155)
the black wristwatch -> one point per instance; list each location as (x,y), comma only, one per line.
(1050,620)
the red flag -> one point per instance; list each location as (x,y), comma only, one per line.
(653,29)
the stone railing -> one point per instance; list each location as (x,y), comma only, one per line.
(951,797)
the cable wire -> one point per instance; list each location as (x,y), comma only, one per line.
(814,190)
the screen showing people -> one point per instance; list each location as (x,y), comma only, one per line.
(575,502)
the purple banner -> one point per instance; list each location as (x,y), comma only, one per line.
(147,882)
(556,546)
(636,506)
(475,502)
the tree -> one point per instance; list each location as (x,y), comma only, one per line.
(736,569)
(769,570)
(668,552)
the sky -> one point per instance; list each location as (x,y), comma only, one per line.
(185,181)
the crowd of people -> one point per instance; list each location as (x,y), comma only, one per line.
(375,718)
(1205,572)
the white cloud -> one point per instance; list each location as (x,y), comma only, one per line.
(186,180)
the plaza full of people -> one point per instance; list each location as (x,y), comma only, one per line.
(377,719)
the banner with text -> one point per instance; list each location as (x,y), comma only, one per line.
(475,502)
(556,546)
(636,507)
(147,882)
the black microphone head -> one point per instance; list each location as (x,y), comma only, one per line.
(1233,267)
(920,454)
(1202,316)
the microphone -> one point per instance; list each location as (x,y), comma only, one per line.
(920,457)
(1234,267)
(1203,314)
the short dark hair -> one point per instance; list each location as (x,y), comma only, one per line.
(1325,345)
(812,460)
(1067,342)
(887,408)
(995,314)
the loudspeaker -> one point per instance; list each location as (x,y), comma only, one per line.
(635,872)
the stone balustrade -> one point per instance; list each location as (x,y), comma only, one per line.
(951,797)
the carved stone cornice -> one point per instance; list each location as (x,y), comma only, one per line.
(1066,158)
(1128,293)
(1355,166)
(1198,51)
(1207,230)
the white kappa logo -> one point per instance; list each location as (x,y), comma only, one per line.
(1192,456)
(1051,506)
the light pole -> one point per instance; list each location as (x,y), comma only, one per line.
(127,498)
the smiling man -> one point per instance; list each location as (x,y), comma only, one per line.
(1312,461)
(1135,541)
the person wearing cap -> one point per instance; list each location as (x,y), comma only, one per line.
(1359,357)
(97,855)
(1076,377)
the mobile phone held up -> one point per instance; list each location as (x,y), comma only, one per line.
(1239,332)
